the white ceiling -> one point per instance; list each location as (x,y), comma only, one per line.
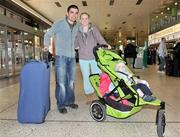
(98,9)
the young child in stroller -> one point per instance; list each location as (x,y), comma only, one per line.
(141,86)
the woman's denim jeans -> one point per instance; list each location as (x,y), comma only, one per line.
(88,67)
(65,76)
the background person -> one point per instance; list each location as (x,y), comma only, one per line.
(130,53)
(162,51)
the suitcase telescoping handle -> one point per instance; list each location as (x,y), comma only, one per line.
(46,57)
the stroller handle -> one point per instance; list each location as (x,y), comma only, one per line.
(97,47)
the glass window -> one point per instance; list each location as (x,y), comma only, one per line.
(29,46)
(2,10)
(37,47)
(9,14)
(19,53)
(18,18)
(170,15)
(13,16)
(2,52)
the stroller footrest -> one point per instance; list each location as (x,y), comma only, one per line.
(162,105)
(117,105)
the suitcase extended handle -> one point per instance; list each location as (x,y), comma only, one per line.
(46,57)
(34,60)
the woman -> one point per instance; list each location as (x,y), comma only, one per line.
(87,38)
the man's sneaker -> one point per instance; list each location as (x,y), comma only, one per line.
(63,110)
(163,72)
(74,106)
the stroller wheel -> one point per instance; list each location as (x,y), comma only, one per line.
(97,111)
(161,123)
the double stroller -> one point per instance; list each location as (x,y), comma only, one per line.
(101,107)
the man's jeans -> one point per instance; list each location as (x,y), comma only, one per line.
(65,76)
(162,63)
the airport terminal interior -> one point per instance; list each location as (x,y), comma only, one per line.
(143,23)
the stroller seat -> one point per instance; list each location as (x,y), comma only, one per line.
(112,99)
(117,104)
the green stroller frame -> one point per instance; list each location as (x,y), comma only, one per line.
(107,61)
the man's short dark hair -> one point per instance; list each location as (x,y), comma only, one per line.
(163,38)
(72,7)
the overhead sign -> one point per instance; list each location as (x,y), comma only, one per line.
(170,33)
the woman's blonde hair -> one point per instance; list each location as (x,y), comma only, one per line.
(84,13)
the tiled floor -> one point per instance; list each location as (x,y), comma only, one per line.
(4,82)
(78,123)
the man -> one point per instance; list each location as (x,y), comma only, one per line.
(129,54)
(64,33)
(162,51)
(176,59)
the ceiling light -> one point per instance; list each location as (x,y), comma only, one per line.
(26,41)
(1,32)
(108,15)
(111,2)
(25,33)
(120,34)
(162,13)
(84,3)
(175,3)
(168,8)
(57,4)
(156,16)
(35,28)
(123,22)
(139,2)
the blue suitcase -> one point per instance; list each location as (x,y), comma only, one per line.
(34,96)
